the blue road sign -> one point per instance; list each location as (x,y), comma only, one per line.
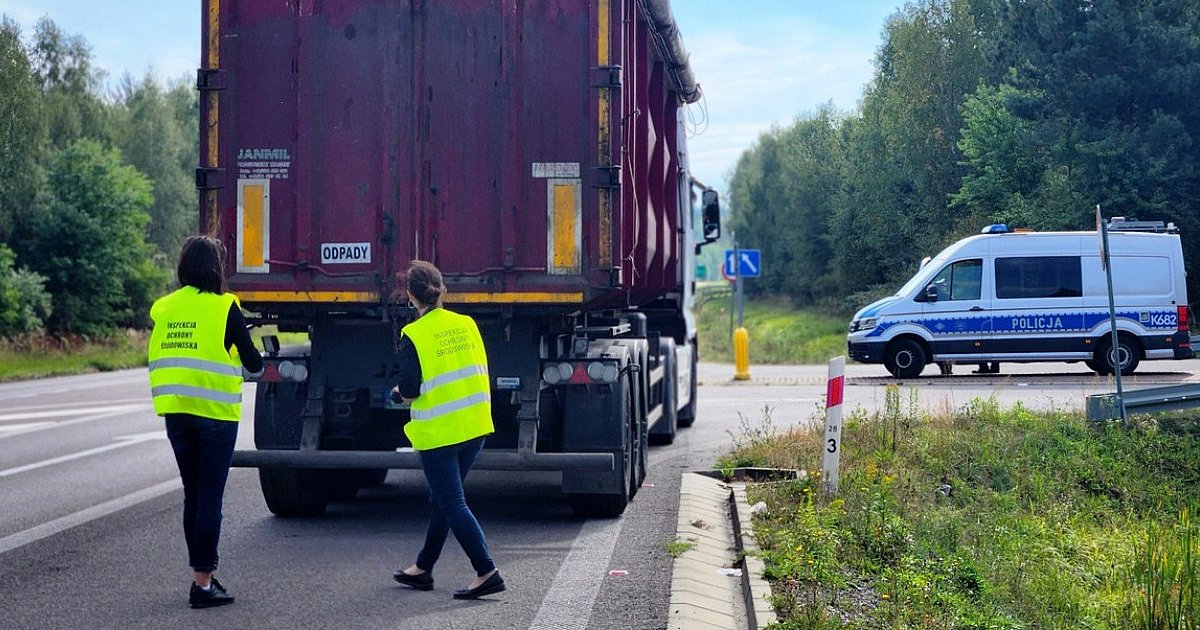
(749,263)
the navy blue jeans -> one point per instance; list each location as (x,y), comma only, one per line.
(203,450)
(445,470)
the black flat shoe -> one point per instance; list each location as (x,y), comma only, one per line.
(420,582)
(494,584)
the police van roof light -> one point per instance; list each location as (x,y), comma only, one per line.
(995,228)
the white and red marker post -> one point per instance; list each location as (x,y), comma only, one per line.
(831,449)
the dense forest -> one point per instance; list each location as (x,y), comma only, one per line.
(96,187)
(1025,112)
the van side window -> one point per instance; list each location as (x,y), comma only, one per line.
(1038,277)
(959,281)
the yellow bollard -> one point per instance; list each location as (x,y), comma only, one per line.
(741,355)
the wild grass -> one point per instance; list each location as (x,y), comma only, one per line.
(677,547)
(982,518)
(40,356)
(779,333)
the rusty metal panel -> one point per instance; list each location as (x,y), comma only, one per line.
(441,129)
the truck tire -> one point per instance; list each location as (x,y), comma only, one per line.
(287,491)
(663,431)
(1129,353)
(687,415)
(293,492)
(596,505)
(372,477)
(343,484)
(905,358)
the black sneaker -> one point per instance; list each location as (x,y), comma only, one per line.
(216,596)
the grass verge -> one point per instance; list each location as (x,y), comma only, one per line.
(40,356)
(779,333)
(981,518)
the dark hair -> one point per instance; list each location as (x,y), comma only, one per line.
(202,264)
(424,281)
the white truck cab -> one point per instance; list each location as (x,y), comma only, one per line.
(1004,296)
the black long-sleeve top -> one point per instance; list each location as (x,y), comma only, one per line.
(409,377)
(236,334)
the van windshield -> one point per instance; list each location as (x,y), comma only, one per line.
(923,275)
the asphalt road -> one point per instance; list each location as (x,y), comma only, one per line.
(90,508)
(90,533)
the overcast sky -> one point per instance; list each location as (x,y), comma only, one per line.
(760,63)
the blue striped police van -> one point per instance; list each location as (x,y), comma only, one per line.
(1006,296)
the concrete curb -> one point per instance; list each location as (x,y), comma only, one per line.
(715,583)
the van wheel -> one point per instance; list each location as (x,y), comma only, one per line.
(905,358)
(1128,354)
(1098,367)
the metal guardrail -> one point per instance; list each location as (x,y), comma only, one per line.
(1149,400)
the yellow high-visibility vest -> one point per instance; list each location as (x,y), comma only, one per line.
(455,403)
(191,370)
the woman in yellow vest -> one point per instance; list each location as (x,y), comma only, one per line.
(444,375)
(197,349)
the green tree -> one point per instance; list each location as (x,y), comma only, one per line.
(1098,108)
(151,138)
(24,303)
(784,190)
(62,65)
(1009,164)
(20,128)
(88,239)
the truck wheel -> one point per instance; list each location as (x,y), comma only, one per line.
(293,491)
(663,431)
(687,415)
(640,429)
(596,505)
(1098,367)
(905,358)
(371,477)
(287,491)
(342,484)
(1128,354)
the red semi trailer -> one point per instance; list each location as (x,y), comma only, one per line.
(533,150)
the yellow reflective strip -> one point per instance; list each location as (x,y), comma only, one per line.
(214,106)
(448,407)
(214,33)
(604,231)
(370,297)
(452,376)
(253,237)
(514,298)
(197,392)
(203,365)
(564,227)
(309,296)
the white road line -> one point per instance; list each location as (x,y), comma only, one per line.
(86,404)
(61,384)
(24,426)
(568,604)
(121,442)
(67,412)
(67,423)
(33,534)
